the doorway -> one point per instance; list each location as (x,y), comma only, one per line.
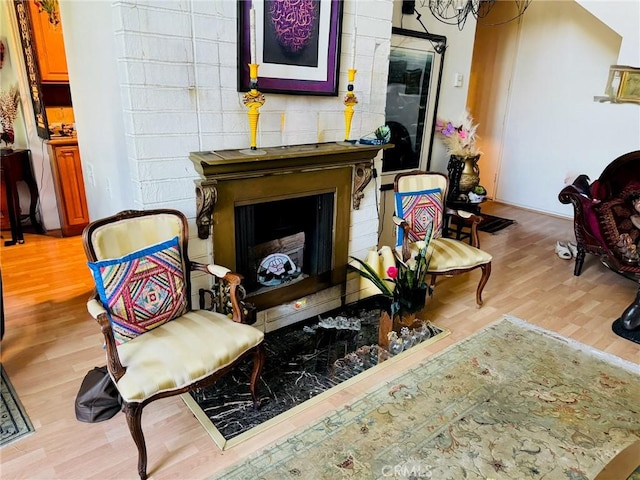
(43,51)
(492,66)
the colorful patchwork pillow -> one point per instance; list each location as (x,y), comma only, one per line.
(420,210)
(143,289)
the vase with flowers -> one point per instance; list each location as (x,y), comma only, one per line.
(404,283)
(9,100)
(460,139)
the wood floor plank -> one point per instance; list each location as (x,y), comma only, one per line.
(51,342)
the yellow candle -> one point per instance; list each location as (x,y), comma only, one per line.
(367,288)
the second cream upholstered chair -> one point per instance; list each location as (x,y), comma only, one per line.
(420,201)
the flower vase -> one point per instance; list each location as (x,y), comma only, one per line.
(410,305)
(470,176)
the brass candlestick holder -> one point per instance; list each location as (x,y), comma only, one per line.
(349,101)
(253,99)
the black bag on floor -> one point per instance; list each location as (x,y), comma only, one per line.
(98,398)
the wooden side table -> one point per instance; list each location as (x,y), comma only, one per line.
(16,166)
(455,226)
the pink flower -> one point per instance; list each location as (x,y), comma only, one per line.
(392,272)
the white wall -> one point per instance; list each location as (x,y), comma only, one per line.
(623,17)
(554,130)
(98,106)
(152,81)
(539,124)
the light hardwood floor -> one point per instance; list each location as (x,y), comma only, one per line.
(50,343)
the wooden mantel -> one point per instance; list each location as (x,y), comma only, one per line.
(242,164)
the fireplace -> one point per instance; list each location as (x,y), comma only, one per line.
(282,219)
(281,242)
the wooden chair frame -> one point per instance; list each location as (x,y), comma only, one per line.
(133,410)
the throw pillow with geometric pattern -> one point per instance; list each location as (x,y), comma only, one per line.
(142,290)
(420,210)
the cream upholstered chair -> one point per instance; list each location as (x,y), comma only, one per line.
(156,345)
(420,201)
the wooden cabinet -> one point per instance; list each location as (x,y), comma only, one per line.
(4,206)
(49,46)
(66,169)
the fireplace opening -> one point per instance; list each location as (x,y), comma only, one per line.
(282,242)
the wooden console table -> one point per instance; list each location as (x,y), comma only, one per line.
(16,166)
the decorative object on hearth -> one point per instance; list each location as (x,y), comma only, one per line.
(277,269)
(455,12)
(460,140)
(9,100)
(404,282)
(350,100)
(253,99)
(381,136)
(306,363)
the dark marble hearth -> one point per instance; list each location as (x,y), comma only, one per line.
(302,361)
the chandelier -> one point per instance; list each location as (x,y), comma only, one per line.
(455,12)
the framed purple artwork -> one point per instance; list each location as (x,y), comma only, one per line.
(297,45)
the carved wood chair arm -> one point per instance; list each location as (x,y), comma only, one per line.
(402,223)
(239,311)
(99,313)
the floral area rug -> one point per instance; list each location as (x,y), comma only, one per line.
(14,422)
(510,402)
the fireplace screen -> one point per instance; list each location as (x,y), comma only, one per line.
(284,241)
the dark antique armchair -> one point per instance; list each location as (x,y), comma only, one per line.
(602,211)
(156,345)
